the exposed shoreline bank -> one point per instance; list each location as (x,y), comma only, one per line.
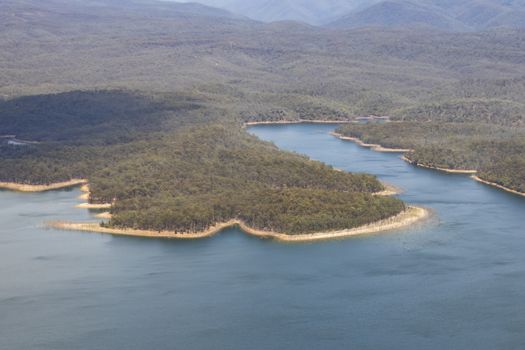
(94,206)
(404,219)
(85,196)
(97,228)
(104,215)
(84,183)
(472,172)
(20,187)
(501,187)
(445,170)
(379,148)
(390,190)
(373,146)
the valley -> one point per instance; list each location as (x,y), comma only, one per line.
(262,174)
(198,73)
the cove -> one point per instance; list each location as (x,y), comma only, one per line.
(456,282)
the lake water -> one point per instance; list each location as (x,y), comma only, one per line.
(456,282)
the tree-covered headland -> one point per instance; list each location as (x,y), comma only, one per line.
(170,163)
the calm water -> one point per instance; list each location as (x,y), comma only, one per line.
(457,282)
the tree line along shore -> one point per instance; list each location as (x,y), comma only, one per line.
(404,219)
(407,218)
(27,187)
(492,153)
(170,148)
(141,207)
(184,170)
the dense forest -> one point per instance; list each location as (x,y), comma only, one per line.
(166,169)
(116,91)
(75,117)
(497,152)
(259,71)
(199,176)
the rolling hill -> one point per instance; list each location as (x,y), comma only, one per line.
(457,15)
(400,14)
(462,15)
(308,11)
(244,70)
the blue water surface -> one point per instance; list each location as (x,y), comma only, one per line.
(454,282)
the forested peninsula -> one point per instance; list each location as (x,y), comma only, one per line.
(495,153)
(146,101)
(170,163)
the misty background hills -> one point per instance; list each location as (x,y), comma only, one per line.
(453,15)
(308,11)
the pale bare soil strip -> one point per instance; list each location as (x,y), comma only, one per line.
(94,206)
(390,190)
(446,170)
(104,215)
(387,192)
(13,186)
(497,186)
(402,220)
(405,219)
(95,227)
(373,146)
(84,196)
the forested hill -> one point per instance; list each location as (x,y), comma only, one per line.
(496,152)
(99,81)
(174,164)
(308,11)
(456,15)
(83,117)
(449,15)
(258,71)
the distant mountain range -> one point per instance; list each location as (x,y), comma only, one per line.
(315,12)
(439,14)
(10,9)
(453,15)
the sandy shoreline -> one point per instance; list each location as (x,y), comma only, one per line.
(402,220)
(94,206)
(373,146)
(85,196)
(390,190)
(405,219)
(493,184)
(96,228)
(467,172)
(13,186)
(104,215)
(379,148)
(446,170)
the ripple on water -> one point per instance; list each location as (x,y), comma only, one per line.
(457,282)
